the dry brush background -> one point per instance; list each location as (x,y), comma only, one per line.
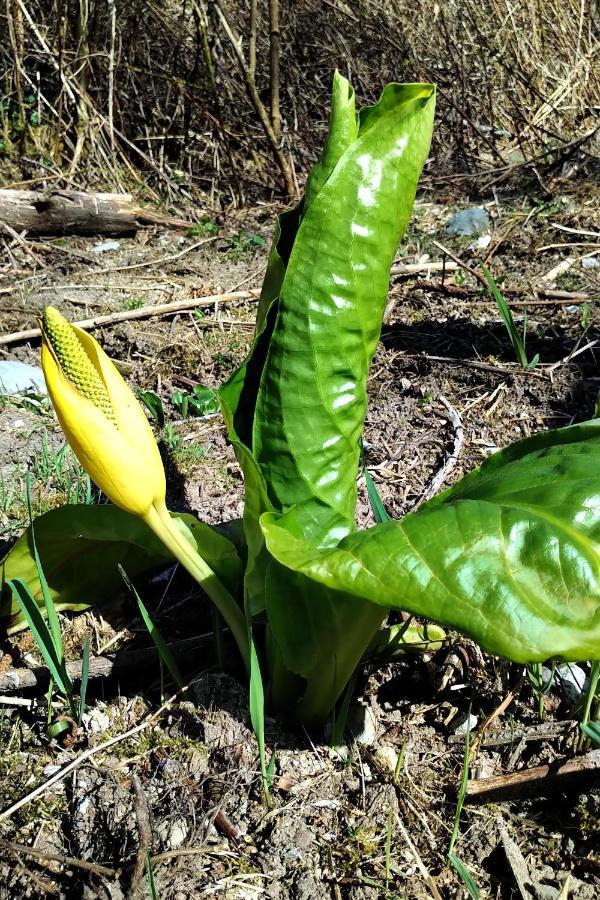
(191,98)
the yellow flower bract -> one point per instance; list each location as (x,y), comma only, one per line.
(101,418)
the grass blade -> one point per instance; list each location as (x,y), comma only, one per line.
(42,634)
(379,511)
(51,613)
(159,642)
(257,714)
(341,716)
(150,878)
(462,791)
(465,875)
(592,731)
(507,318)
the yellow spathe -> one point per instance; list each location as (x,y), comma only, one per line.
(109,434)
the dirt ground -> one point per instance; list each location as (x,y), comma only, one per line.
(372,818)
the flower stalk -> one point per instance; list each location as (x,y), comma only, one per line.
(164,527)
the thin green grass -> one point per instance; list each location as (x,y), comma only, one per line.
(165,655)
(518,341)
(47,632)
(453,859)
(257,717)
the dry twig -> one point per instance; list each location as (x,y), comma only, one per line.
(144,312)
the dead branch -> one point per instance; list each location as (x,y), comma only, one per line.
(142,814)
(144,312)
(449,463)
(537,780)
(67,861)
(259,106)
(14,681)
(275,76)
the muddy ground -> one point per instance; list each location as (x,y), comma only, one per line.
(371,818)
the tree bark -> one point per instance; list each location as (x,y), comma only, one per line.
(76,212)
(274,66)
(256,101)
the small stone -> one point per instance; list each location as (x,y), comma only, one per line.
(106,245)
(572,679)
(19,378)
(386,759)
(590,262)
(95,721)
(362,724)
(464,723)
(482,242)
(469,222)
(172,832)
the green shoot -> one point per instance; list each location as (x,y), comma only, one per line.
(592,731)
(150,878)
(154,405)
(49,647)
(341,719)
(591,709)
(540,688)
(399,764)
(47,631)
(465,875)
(379,511)
(180,401)
(165,655)
(257,715)
(516,340)
(454,860)
(202,402)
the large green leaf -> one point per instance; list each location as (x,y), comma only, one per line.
(311,399)
(322,634)
(80,548)
(295,409)
(509,556)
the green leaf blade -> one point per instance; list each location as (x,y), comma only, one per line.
(312,397)
(510,556)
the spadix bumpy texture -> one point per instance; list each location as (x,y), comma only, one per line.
(75,362)
(101,418)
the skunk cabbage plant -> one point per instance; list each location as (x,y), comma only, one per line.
(509,556)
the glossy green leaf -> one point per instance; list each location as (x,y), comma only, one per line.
(80,548)
(322,633)
(311,399)
(509,556)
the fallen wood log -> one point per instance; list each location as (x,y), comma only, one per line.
(539,780)
(78,212)
(130,663)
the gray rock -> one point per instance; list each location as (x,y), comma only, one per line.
(19,378)
(362,724)
(571,678)
(172,832)
(469,221)
(464,722)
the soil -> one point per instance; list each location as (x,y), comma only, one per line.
(371,818)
